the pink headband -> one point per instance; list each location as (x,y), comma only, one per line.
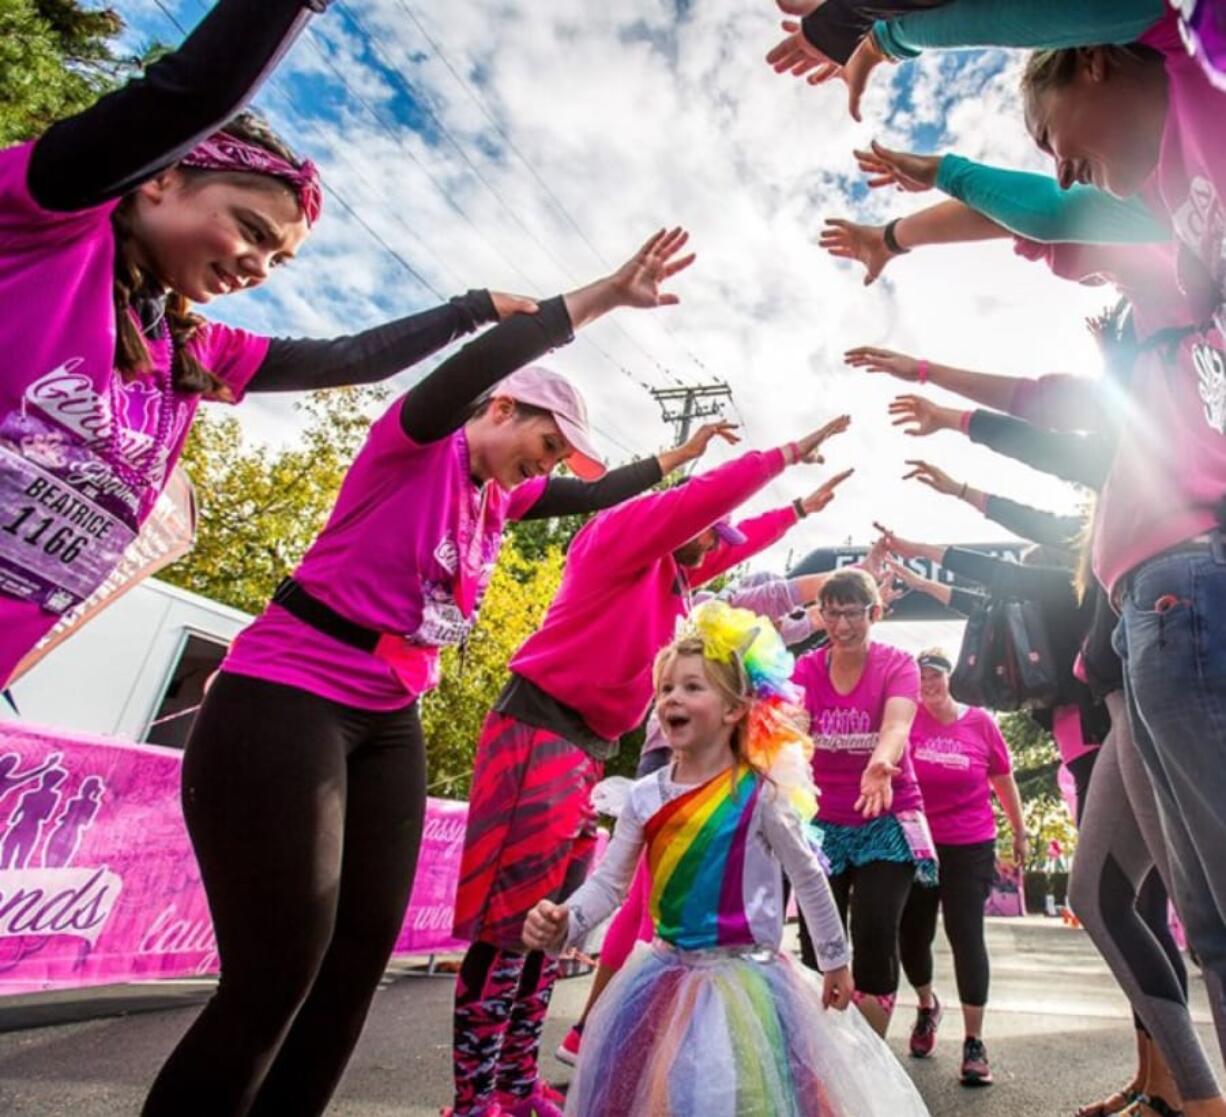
(223,152)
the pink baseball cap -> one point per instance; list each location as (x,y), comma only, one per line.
(554,393)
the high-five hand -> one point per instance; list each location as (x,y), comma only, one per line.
(638,281)
(824,493)
(921,417)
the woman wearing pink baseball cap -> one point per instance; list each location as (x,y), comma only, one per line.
(304,777)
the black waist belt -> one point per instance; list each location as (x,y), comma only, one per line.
(293,598)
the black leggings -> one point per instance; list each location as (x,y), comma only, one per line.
(874,896)
(965,882)
(306,819)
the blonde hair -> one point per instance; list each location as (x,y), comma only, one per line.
(729,680)
(1046,70)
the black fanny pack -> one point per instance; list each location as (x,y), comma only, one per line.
(293,598)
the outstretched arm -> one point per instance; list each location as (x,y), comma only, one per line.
(133,134)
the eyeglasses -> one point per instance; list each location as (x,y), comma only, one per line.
(851,616)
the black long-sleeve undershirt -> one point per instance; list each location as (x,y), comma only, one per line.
(442,402)
(1034,524)
(1083,459)
(133,134)
(306,364)
(566,496)
(837,26)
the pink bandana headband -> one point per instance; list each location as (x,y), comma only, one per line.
(223,152)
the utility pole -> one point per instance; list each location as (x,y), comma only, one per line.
(698,402)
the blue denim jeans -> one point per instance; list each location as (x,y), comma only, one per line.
(1172,639)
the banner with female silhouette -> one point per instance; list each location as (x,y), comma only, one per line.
(98,882)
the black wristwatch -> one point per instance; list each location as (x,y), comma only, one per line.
(798,505)
(891,241)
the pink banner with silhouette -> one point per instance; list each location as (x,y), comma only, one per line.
(98,883)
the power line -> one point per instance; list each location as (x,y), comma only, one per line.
(557,202)
(374,234)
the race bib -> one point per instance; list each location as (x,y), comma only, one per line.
(61,534)
(919,838)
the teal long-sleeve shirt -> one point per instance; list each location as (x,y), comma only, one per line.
(1035,207)
(1049,24)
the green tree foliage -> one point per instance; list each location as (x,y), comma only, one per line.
(55,59)
(260,508)
(1035,763)
(519,593)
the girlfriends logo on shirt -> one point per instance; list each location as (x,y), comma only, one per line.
(1211,383)
(946,751)
(847,730)
(68,397)
(1200,223)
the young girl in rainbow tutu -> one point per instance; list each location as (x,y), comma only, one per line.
(712,1019)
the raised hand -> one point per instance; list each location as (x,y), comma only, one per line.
(795,55)
(505,305)
(849,241)
(807,447)
(546,926)
(860,66)
(901,169)
(877,788)
(696,445)
(824,493)
(921,417)
(904,548)
(898,572)
(872,359)
(934,478)
(638,281)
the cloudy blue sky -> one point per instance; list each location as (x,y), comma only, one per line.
(530,146)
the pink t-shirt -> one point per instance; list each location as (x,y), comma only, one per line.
(408,550)
(953,764)
(84,453)
(1188,182)
(845,728)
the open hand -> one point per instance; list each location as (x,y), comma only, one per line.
(795,55)
(639,280)
(505,305)
(860,66)
(696,445)
(872,359)
(824,493)
(807,447)
(933,477)
(921,417)
(904,548)
(901,169)
(546,926)
(849,241)
(877,788)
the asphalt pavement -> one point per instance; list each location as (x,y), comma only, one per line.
(1058,1031)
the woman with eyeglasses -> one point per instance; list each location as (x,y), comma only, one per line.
(862,697)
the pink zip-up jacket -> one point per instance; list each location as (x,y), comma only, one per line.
(622,591)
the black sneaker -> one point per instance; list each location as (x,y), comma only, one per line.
(924,1030)
(975,1068)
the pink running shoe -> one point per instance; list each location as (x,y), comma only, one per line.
(924,1031)
(544,1101)
(568,1049)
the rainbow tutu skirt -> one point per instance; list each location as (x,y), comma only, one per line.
(731,1032)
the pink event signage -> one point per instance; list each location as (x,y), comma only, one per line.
(98,882)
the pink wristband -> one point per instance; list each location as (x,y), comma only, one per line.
(964,423)
(794,451)
(921,370)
